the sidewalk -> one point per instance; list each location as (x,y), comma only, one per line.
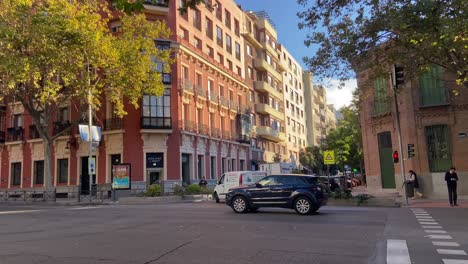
(436,203)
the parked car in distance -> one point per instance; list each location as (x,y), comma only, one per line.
(295,191)
(234,179)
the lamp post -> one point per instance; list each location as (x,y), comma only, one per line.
(341,161)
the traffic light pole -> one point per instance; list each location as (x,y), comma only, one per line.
(400,143)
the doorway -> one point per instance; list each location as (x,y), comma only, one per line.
(387,169)
(186,168)
(115,159)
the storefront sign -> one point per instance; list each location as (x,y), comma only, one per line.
(154,160)
(122,175)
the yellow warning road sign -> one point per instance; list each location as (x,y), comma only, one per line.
(329,157)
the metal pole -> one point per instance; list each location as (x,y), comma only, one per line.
(90,124)
(400,144)
(328,176)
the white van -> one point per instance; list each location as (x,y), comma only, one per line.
(234,179)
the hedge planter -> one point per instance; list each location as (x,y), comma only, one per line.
(373,202)
(149,200)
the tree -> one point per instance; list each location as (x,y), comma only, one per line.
(414,34)
(59,52)
(312,158)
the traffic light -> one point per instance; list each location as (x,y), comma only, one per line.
(396,157)
(398,75)
(410,150)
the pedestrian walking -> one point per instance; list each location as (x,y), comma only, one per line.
(451,178)
(414,180)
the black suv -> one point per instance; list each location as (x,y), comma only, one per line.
(299,192)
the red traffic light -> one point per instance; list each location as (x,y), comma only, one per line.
(396,157)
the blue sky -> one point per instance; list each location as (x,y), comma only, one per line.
(285,19)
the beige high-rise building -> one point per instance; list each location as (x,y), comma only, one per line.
(294,104)
(320,117)
(264,69)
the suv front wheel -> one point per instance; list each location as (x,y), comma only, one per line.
(303,206)
(239,205)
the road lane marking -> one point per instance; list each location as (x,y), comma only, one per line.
(452,252)
(423,217)
(429,226)
(397,252)
(439,236)
(426,220)
(436,231)
(455,261)
(445,244)
(19,212)
(84,208)
(428,223)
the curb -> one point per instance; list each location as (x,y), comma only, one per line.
(373,202)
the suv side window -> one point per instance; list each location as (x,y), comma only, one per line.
(270,181)
(289,180)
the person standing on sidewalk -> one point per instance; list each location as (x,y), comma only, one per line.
(414,180)
(451,178)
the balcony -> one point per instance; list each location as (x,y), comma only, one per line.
(226,134)
(156,123)
(265,87)
(186,86)
(268,110)
(270,49)
(188,126)
(215,132)
(115,123)
(157,7)
(234,106)
(203,129)
(200,92)
(213,98)
(33,133)
(262,65)
(15,134)
(61,126)
(250,37)
(224,102)
(380,108)
(271,133)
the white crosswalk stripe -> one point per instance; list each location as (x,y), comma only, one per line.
(431,226)
(455,261)
(436,231)
(439,236)
(397,252)
(451,252)
(445,244)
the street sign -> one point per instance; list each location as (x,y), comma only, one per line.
(329,157)
(92,166)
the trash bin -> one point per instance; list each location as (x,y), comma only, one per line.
(409,189)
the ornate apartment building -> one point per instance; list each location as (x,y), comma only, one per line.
(223,109)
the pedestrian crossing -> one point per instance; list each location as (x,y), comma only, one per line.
(448,250)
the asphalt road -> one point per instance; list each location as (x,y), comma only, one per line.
(212,233)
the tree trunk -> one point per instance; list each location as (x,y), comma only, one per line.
(48,165)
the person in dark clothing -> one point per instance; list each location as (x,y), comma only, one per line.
(203,182)
(414,180)
(451,178)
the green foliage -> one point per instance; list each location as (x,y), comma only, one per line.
(416,34)
(340,194)
(193,189)
(179,190)
(361,199)
(153,190)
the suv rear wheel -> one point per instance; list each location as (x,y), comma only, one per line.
(303,206)
(239,205)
